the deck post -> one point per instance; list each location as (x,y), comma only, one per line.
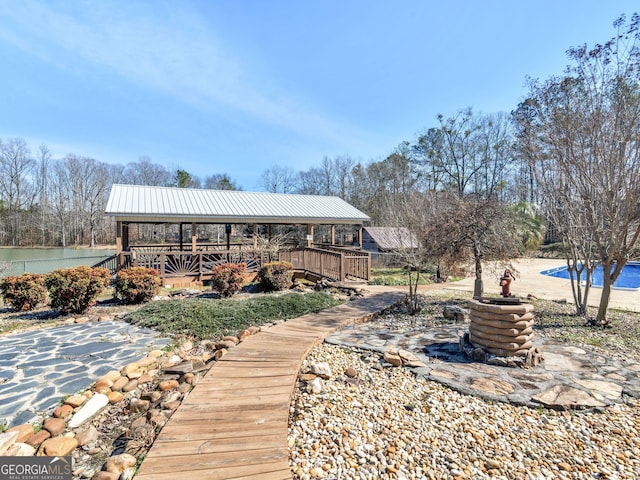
(255,236)
(309,234)
(343,275)
(162,260)
(118,237)
(125,236)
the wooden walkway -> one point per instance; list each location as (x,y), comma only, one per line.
(234,423)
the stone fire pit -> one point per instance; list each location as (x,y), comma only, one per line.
(501,332)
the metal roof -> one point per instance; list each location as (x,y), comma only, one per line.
(392,238)
(137,203)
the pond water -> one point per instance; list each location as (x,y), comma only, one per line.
(629,279)
(44,260)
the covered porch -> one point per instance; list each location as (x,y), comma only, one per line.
(321,236)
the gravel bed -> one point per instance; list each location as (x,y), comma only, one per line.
(387,424)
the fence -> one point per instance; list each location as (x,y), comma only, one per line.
(46,265)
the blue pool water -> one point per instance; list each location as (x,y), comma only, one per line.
(629,279)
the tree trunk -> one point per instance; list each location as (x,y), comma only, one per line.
(608,277)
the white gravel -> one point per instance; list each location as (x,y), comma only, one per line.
(396,426)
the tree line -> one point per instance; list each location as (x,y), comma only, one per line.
(473,186)
(59,202)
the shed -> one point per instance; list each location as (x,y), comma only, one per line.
(387,239)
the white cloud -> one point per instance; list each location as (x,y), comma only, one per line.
(154,46)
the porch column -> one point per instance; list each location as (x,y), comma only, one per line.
(360,237)
(125,235)
(255,236)
(118,237)
(309,234)
(194,237)
(333,234)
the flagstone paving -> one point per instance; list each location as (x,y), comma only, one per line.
(569,377)
(39,367)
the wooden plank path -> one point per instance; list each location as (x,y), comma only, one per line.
(234,423)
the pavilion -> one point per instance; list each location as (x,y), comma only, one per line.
(191,259)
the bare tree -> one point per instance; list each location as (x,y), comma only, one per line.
(220,181)
(60,200)
(44,163)
(468,153)
(279,179)
(581,132)
(409,217)
(310,182)
(483,229)
(16,189)
(97,190)
(144,172)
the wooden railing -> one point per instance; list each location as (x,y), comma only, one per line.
(186,247)
(197,265)
(335,264)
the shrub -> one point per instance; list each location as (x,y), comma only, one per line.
(275,276)
(136,285)
(73,290)
(206,318)
(23,292)
(228,277)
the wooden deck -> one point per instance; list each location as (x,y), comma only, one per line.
(234,423)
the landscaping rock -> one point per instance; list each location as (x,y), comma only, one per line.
(102,475)
(119,383)
(119,463)
(225,344)
(455,313)
(59,446)
(130,386)
(7,439)
(24,432)
(88,436)
(315,386)
(393,358)
(167,385)
(37,438)
(76,400)
(89,410)
(351,372)
(139,405)
(115,397)
(63,411)
(20,450)
(55,426)
(321,370)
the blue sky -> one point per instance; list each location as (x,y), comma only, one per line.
(239,86)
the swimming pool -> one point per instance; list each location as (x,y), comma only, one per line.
(629,278)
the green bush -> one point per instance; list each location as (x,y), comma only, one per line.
(227,278)
(275,276)
(73,290)
(136,285)
(23,292)
(203,318)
